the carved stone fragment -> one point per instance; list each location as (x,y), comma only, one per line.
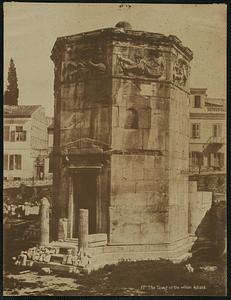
(180,72)
(78,66)
(151,65)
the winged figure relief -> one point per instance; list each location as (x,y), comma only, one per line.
(81,69)
(152,66)
(180,72)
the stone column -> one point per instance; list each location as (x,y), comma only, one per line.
(83,229)
(98,204)
(44,222)
(70,209)
(62,229)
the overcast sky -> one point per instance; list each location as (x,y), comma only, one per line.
(30,30)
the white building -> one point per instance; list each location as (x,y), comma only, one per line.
(25,142)
(207,132)
(50,132)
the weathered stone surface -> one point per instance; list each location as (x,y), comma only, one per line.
(126,93)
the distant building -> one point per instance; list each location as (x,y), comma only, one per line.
(25,142)
(207,132)
(50,132)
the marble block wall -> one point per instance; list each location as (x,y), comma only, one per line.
(121,102)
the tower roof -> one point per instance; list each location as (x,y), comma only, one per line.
(122,31)
(124,25)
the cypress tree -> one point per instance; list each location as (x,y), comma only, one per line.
(12,92)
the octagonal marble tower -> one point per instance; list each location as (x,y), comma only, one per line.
(121,137)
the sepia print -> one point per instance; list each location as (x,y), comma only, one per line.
(114,149)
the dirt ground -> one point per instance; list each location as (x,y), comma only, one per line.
(125,279)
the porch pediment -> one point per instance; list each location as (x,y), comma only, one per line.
(84,145)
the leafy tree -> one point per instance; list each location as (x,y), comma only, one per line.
(12,92)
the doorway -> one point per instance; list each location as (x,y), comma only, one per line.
(40,172)
(84,196)
(39,168)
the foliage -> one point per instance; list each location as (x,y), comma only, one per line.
(12,92)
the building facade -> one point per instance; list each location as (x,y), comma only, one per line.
(207,132)
(25,142)
(50,132)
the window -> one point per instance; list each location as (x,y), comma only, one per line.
(15,162)
(11,165)
(217,130)
(131,120)
(18,162)
(195,130)
(6,161)
(17,178)
(196,158)
(6,133)
(218,160)
(12,136)
(197,101)
(20,134)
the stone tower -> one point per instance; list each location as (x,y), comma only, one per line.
(121,137)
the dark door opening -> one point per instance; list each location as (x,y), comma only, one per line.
(40,172)
(84,196)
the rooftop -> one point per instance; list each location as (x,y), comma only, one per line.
(20,110)
(124,32)
(198,90)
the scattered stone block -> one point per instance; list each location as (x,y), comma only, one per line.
(57,258)
(45,270)
(24,272)
(209,268)
(189,268)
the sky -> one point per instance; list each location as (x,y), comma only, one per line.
(30,31)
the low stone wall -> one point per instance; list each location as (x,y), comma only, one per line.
(27,194)
(28,182)
(210,182)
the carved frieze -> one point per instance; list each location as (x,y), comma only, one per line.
(152,64)
(180,72)
(79,64)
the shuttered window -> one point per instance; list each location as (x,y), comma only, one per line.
(6,133)
(195,130)
(217,130)
(6,161)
